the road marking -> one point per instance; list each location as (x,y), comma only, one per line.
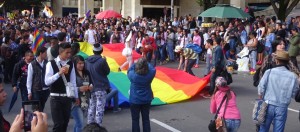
(297,111)
(165,125)
(290,109)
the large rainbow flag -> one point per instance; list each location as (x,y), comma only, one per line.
(38,40)
(169,85)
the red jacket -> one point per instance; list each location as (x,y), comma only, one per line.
(150,41)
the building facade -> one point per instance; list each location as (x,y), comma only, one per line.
(134,8)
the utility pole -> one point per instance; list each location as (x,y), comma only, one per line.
(172,10)
(84,3)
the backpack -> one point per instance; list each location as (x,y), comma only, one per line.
(256,76)
(196,48)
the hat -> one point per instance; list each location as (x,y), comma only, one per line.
(282,55)
(97,47)
(278,21)
(178,48)
(221,82)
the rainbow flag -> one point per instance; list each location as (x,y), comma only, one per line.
(2,20)
(168,86)
(38,40)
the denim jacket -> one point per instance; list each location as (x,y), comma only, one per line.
(217,57)
(281,84)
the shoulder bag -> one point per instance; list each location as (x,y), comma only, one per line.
(212,127)
(260,108)
(70,88)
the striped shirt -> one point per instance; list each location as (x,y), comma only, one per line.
(188,53)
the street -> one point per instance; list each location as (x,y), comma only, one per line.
(188,116)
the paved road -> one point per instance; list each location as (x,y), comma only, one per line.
(189,116)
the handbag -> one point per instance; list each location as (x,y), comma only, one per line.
(70,88)
(260,108)
(212,127)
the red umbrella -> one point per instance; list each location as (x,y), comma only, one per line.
(108,14)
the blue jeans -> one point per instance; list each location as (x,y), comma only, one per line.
(198,58)
(232,125)
(144,109)
(162,50)
(156,56)
(77,114)
(252,58)
(208,64)
(149,56)
(232,44)
(276,115)
(170,49)
(113,94)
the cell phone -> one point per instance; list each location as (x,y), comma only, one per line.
(29,108)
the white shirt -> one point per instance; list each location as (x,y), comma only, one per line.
(184,41)
(91,36)
(209,52)
(30,76)
(51,77)
(205,37)
(49,55)
(139,42)
(55,33)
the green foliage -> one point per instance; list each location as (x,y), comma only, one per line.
(22,4)
(283,8)
(200,2)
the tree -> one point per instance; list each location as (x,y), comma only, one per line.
(283,8)
(206,5)
(22,4)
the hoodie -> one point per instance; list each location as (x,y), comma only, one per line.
(99,69)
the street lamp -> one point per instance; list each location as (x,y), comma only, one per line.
(172,10)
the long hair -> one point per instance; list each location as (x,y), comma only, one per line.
(275,43)
(76,59)
(141,66)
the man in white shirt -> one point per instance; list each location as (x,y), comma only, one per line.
(36,73)
(59,102)
(90,35)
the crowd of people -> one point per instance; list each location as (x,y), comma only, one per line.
(56,67)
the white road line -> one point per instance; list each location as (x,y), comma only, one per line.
(164,125)
(297,111)
(290,109)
